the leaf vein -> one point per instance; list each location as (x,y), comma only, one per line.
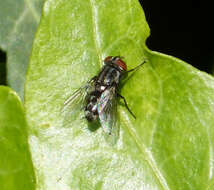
(96,35)
(147,156)
(33,11)
(211,167)
(18,21)
(161,102)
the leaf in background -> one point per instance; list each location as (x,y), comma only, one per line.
(18,23)
(16,169)
(168,146)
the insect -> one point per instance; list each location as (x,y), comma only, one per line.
(99,95)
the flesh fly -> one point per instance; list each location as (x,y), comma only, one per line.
(99,95)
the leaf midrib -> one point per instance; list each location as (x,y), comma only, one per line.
(146,156)
(142,149)
(96,35)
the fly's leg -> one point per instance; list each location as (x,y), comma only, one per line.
(136,68)
(127,107)
(88,84)
(93,79)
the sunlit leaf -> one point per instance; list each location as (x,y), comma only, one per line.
(168,146)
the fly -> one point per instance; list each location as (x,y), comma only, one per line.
(99,95)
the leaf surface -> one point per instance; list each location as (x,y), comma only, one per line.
(16,169)
(18,23)
(170,144)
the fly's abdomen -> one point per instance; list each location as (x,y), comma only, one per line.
(91,113)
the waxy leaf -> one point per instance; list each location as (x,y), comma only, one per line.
(16,169)
(170,144)
(18,23)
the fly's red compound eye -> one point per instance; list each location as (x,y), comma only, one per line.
(121,64)
(107,59)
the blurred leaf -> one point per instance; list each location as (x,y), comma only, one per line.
(18,23)
(168,146)
(16,169)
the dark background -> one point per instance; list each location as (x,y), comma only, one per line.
(181,28)
(2,68)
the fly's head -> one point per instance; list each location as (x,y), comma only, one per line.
(116,61)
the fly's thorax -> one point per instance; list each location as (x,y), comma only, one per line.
(109,75)
(100,88)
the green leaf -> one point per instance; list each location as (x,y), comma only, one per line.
(16,169)
(168,146)
(18,23)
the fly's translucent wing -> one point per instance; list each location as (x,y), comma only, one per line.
(107,110)
(76,102)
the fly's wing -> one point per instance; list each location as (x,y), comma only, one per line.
(76,102)
(107,110)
